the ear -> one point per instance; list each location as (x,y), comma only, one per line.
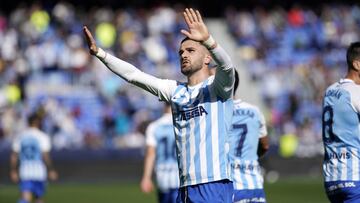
(356,65)
(207,59)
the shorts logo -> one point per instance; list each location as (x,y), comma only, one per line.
(191,113)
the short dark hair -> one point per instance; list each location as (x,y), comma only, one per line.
(236,83)
(185,39)
(34,119)
(352,54)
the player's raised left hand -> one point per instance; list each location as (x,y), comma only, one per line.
(197,28)
(93,49)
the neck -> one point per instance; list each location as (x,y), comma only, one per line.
(198,76)
(354,76)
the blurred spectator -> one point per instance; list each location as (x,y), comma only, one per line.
(293,54)
(43,65)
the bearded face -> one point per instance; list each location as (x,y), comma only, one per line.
(192,55)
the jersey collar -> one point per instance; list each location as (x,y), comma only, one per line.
(346,80)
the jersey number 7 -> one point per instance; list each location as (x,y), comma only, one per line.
(244,130)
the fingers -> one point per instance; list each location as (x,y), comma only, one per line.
(192,16)
(90,41)
(186,33)
(88,35)
(199,16)
(186,17)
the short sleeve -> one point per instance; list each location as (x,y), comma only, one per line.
(150,135)
(262,125)
(45,143)
(16,145)
(356,102)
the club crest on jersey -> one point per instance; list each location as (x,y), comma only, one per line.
(191,113)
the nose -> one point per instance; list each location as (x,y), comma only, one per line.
(184,56)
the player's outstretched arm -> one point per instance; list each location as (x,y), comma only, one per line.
(161,88)
(198,31)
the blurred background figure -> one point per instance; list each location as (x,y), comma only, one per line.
(160,158)
(30,161)
(341,122)
(248,142)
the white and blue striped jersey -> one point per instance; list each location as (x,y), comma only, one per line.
(248,126)
(201,116)
(341,131)
(160,134)
(201,120)
(30,145)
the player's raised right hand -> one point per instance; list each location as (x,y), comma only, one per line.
(93,49)
(197,29)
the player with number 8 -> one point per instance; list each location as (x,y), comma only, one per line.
(341,133)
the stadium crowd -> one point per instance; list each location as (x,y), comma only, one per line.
(292,54)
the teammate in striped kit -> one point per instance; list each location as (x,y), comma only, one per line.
(201,109)
(248,141)
(161,157)
(341,133)
(30,160)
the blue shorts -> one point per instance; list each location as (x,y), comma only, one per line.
(37,188)
(251,196)
(168,196)
(343,191)
(214,192)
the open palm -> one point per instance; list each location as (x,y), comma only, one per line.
(197,28)
(93,49)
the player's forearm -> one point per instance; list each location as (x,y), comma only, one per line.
(149,163)
(133,75)
(224,76)
(13,161)
(221,58)
(263,146)
(48,161)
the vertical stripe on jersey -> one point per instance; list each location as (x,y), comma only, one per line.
(182,149)
(208,130)
(201,139)
(334,168)
(186,155)
(239,183)
(192,152)
(242,177)
(221,136)
(343,164)
(214,137)
(248,177)
(254,174)
(355,164)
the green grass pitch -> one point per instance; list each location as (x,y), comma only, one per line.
(294,190)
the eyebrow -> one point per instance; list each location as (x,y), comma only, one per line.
(187,48)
